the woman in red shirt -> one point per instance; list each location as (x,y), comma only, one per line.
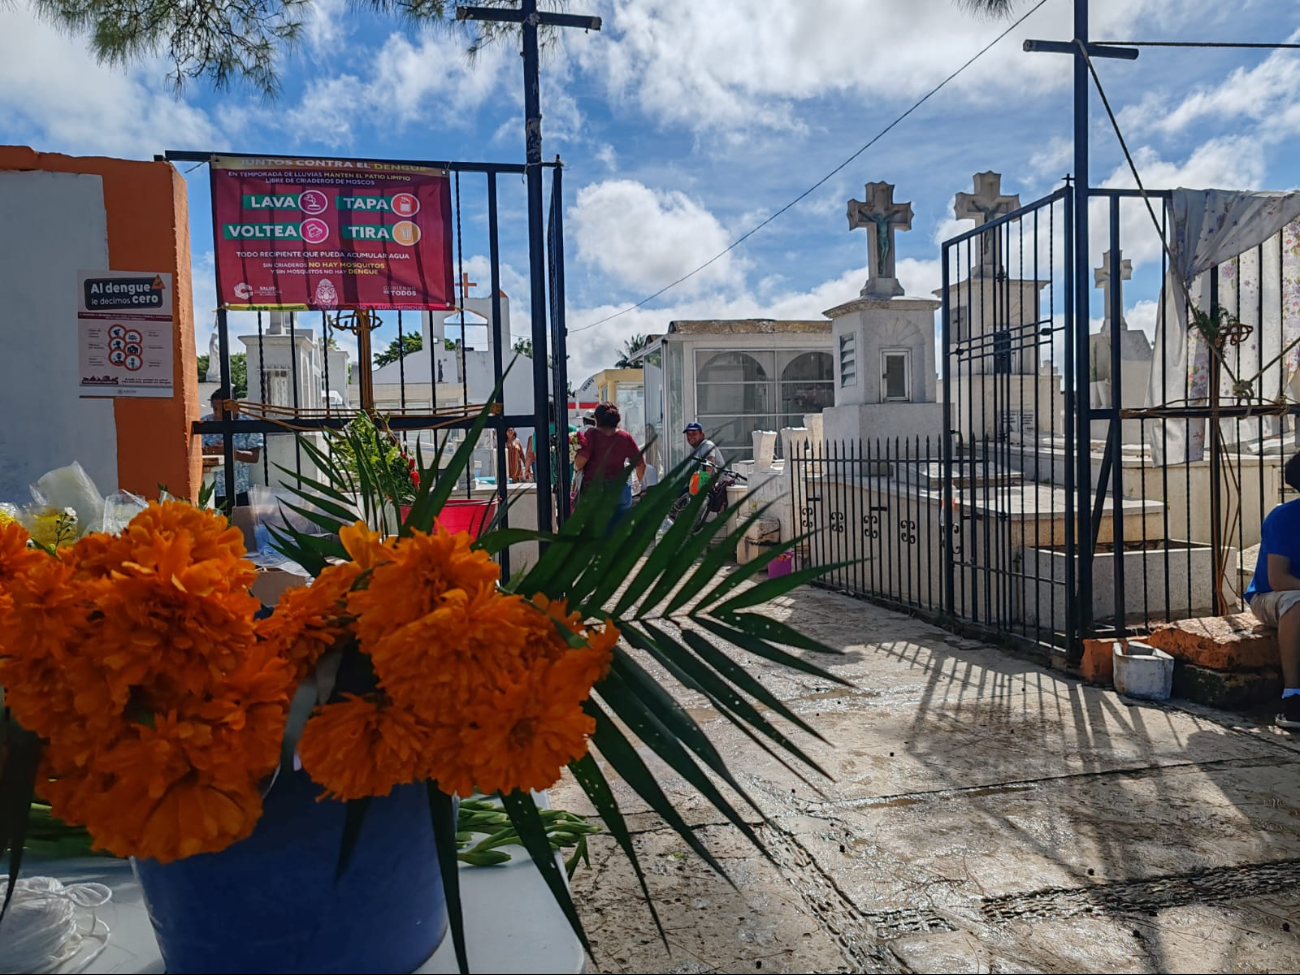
(606,451)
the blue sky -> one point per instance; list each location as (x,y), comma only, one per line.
(683,123)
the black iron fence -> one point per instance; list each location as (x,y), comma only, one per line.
(1090,478)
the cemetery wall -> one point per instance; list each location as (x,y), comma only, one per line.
(90,213)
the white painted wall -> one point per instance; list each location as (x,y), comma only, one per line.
(56,226)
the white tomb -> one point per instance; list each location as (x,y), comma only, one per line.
(1135,355)
(883,342)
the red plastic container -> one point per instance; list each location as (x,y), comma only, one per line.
(782,565)
(463,515)
(467,516)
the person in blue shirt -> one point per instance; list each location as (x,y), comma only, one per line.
(248,451)
(1274,592)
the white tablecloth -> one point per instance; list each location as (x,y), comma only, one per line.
(512,923)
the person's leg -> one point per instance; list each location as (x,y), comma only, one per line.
(1281,610)
(1288,645)
(624,505)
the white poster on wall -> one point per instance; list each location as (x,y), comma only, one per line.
(124,321)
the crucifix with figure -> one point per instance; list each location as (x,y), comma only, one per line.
(1103,277)
(881,216)
(985,204)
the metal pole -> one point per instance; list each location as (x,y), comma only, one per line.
(1216,458)
(227,434)
(559,329)
(1116,314)
(1082,316)
(499,338)
(537,264)
(945,350)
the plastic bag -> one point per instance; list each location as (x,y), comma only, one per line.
(71,487)
(119,508)
(264,512)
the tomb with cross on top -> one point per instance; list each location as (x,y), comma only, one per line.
(1135,351)
(996,327)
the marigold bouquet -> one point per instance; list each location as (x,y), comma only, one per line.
(151,701)
(162,703)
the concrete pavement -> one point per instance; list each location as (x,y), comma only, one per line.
(985,815)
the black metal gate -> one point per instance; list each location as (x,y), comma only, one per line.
(1013,506)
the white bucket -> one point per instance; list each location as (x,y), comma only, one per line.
(1143,672)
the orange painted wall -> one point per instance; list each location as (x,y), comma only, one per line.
(148,230)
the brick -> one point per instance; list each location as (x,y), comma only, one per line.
(1224,690)
(1234,643)
(1098,663)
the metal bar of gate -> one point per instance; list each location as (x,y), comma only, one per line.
(1116,313)
(1073,532)
(499,339)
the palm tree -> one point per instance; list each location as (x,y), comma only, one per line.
(630,347)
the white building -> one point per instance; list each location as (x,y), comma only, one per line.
(735,377)
(456,366)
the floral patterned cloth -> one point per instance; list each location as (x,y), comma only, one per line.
(1254,240)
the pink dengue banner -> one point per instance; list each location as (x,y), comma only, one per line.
(331,234)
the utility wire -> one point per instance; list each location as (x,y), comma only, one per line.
(817,185)
(1233,44)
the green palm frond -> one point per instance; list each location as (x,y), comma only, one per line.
(678,605)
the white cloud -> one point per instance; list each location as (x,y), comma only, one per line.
(644,238)
(1053,159)
(1264,94)
(1234,163)
(53,94)
(741,65)
(409,81)
(326,25)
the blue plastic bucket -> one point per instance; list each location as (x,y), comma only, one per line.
(270,903)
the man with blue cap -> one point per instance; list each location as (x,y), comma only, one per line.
(703,450)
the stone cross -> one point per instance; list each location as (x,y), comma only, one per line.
(465,284)
(881,216)
(985,204)
(1102,278)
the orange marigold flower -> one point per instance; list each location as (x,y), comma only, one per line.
(423,570)
(45,663)
(363,746)
(551,635)
(468,644)
(95,556)
(309,620)
(519,738)
(140,796)
(15,555)
(178,643)
(244,719)
(366,546)
(195,816)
